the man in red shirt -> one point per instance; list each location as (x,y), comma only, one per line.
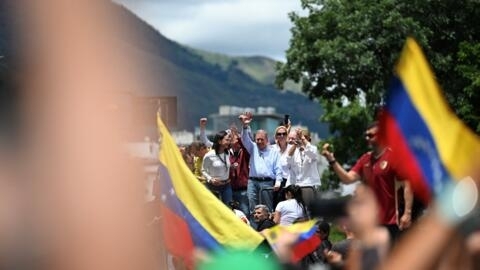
(376,169)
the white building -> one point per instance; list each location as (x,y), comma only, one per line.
(264,118)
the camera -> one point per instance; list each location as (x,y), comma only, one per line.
(329,208)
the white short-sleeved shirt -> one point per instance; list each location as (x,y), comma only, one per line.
(241,215)
(289,211)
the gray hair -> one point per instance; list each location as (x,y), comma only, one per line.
(262,131)
(263,207)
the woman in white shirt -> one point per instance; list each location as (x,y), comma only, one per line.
(216,167)
(292,209)
(281,146)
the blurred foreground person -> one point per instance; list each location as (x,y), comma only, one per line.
(371,242)
(81,194)
(343,247)
(447,236)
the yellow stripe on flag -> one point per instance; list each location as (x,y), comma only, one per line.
(209,211)
(456,143)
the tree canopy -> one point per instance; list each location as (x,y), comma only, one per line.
(344,52)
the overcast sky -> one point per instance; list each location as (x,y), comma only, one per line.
(234,27)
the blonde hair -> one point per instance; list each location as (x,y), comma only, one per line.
(279,127)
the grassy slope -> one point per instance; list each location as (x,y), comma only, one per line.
(262,69)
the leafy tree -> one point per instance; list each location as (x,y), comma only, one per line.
(469,68)
(351,119)
(345,50)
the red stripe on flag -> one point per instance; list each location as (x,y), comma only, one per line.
(404,160)
(177,236)
(304,248)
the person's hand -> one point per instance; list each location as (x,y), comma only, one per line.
(276,187)
(326,153)
(203,123)
(332,257)
(405,221)
(246,118)
(299,132)
(301,141)
(298,139)
(214,181)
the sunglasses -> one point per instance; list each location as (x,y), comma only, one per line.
(370,135)
(281,134)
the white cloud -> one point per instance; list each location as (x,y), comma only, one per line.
(236,27)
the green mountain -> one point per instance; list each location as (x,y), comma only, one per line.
(202,81)
(260,68)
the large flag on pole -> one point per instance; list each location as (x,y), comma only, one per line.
(432,146)
(192,217)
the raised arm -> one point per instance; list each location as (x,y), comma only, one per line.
(309,150)
(345,177)
(203,134)
(247,141)
(312,152)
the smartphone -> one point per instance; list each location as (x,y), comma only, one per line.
(286,119)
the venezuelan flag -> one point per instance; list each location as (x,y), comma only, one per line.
(306,239)
(432,146)
(192,217)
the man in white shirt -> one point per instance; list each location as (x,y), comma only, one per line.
(302,161)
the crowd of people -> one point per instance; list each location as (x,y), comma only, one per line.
(268,184)
(246,171)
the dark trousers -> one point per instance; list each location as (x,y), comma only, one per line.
(279,195)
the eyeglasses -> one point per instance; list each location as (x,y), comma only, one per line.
(370,135)
(281,134)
